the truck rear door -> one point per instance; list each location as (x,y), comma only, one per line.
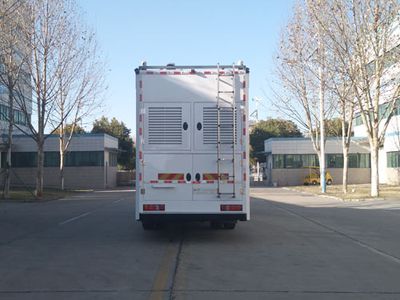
(167,157)
(205,164)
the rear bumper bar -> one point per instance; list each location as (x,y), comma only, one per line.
(191,217)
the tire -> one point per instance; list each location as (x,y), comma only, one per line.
(329,182)
(230,225)
(314,182)
(216,225)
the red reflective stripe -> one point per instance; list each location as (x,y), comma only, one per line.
(140,176)
(196,182)
(163,73)
(153,181)
(207,72)
(140,97)
(167,181)
(221,72)
(140,118)
(244,177)
(244,118)
(231,207)
(140,84)
(140,130)
(210,181)
(244,84)
(192,71)
(140,155)
(244,97)
(148,207)
(244,131)
(149,72)
(181,181)
(230,181)
(177,73)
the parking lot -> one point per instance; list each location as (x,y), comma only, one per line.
(296,246)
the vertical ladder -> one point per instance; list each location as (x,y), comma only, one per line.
(230,105)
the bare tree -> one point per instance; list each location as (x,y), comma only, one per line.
(80,85)
(302,73)
(13,74)
(48,31)
(8,7)
(335,26)
(375,26)
(365,35)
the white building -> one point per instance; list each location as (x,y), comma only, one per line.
(288,161)
(389,154)
(90,162)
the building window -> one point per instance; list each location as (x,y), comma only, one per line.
(24,159)
(52,159)
(278,161)
(383,112)
(113,159)
(84,158)
(4,112)
(20,118)
(293,161)
(3,159)
(309,160)
(393,159)
(334,160)
(359,160)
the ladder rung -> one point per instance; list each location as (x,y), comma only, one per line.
(233,194)
(226,75)
(227,83)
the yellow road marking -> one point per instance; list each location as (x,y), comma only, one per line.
(161,280)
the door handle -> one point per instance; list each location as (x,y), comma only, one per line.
(199,126)
(185,125)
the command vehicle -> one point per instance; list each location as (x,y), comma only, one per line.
(192,158)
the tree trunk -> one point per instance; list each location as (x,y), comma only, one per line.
(345,166)
(7,179)
(62,155)
(39,177)
(374,169)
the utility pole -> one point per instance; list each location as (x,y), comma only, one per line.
(321,69)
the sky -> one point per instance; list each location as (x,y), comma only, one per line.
(186,33)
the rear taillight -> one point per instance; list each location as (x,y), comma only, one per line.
(231,207)
(153,207)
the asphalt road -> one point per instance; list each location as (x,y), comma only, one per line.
(295,247)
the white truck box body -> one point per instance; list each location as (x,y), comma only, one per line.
(172,148)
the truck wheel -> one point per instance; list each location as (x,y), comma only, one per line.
(329,182)
(216,225)
(230,225)
(314,182)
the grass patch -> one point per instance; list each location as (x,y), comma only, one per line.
(24,195)
(355,191)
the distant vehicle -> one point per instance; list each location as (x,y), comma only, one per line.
(314,177)
(192,144)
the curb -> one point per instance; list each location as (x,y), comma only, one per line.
(334,197)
